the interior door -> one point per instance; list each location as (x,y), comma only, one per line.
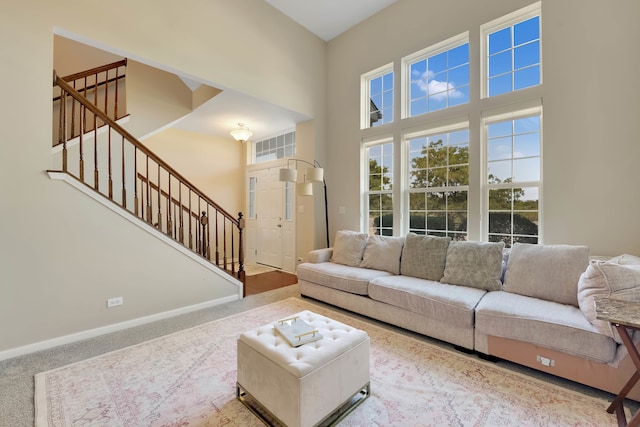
(269,218)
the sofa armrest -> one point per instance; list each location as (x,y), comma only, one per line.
(320,255)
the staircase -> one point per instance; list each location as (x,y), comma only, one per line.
(94,149)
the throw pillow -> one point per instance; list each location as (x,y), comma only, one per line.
(474,264)
(548,272)
(424,256)
(383,253)
(607,279)
(349,247)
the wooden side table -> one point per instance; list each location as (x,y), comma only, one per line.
(623,315)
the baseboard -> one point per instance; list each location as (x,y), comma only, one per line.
(91,333)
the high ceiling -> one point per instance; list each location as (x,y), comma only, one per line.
(325,18)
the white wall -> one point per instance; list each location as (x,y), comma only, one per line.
(61,254)
(590,99)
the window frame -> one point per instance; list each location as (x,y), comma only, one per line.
(365,102)
(366,192)
(455,125)
(522,110)
(528,12)
(426,53)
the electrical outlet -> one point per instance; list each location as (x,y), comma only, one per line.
(113,302)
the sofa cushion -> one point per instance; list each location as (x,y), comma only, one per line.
(383,253)
(608,279)
(545,323)
(424,256)
(475,264)
(447,303)
(549,272)
(348,247)
(354,280)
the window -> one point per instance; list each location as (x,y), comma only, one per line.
(513,179)
(512,51)
(377,107)
(437,77)
(439,184)
(252,197)
(278,147)
(288,201)
(379,188)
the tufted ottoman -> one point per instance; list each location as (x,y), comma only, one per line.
(314,383)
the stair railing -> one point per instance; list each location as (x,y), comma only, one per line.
(104,87)
(132,176)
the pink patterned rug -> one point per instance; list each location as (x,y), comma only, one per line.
(188,379)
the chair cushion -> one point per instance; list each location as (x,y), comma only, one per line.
(354,280)
(545,323)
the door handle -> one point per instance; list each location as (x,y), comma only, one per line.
(279,225)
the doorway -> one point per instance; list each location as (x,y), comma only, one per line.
(271,227)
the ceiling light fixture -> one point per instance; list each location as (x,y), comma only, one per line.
(242,134)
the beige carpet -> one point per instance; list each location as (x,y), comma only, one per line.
(188,378)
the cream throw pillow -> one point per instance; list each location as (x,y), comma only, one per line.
(474,264)
(383,253)
(349,247)
(618,278)
(548,272)
(424,256)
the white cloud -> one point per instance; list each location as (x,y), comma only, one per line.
(435,88)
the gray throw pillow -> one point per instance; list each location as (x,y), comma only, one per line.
(548,272)
(424,256)
(348,247)
(383,253)
(474,264)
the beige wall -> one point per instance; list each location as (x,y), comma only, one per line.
(590,99)
(61,254)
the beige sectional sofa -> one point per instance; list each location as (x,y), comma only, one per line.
(531,304)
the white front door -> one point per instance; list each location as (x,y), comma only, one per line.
(269,218)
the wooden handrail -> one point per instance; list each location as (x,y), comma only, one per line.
(134,141)
(96,70)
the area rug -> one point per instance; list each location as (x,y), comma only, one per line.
(188,379)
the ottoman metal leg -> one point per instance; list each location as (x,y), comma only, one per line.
(331,420)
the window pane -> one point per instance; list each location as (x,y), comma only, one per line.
(500,63)
(526,145)
(459,76)
(526,199)
(436,221)
(459,96)
(499,129)
(526,170)
(458,55)
(500,199)
(499,171)
(500,40)
(417,201)
(526,31)
(499,85)
(500,222)
(526,55)
(457,201)
(499,148)
(526,77)
(435,201)
(438,63)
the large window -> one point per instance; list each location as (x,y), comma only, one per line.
(379,194)
(439,184)
(377,97)
(467,138)
(513,179)
(512,46)
(437,77)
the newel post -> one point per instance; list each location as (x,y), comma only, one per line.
(241,273)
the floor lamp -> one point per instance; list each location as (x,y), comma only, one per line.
(314,174)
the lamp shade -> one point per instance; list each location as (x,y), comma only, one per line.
(241,134)
(315,174)
(288,175)
(304,189)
